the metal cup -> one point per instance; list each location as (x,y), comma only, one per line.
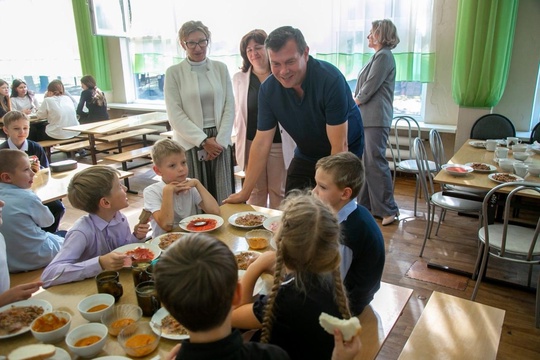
(108,282)
(147,298)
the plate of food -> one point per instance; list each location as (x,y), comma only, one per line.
(201,223)
(272,223)
(244,258)
(457,169)
(15,318)
(170,328)
(165,240)
(482,167)
(502,178)
(478,144)
(140,252)
(248,219)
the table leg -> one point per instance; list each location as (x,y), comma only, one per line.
(92,141)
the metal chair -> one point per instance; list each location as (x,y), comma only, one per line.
(514,243)
(403,154)
(492,126)
(535,134)
(437,199)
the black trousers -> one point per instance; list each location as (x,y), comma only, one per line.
(58,210)
(300,175)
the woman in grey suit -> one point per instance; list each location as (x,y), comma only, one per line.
(374,95)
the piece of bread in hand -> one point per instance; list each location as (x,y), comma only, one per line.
(32,352)
(348,328)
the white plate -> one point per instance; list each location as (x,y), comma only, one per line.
(491,177)
(232,219)
(478,144)
(272,223)
(47,307)
(184,223)
(156,319)
(258,285)
(157,240)
(247,251)
(154,248)
(451,169)
(491,167)
(60,354)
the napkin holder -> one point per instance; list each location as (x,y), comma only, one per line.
(64,165)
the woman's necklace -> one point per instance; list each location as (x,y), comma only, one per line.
(262,76)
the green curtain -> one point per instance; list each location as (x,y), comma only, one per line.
(92,49)
(483,49)
(409,66)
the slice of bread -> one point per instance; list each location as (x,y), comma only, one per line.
(32,352)
(348,328)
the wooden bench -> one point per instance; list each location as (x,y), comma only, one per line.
(118,137)
(131,155)
(455,328)
(48,144)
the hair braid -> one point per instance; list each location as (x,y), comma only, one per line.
(340,295)
(268,318)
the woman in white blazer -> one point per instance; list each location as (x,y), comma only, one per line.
(270,188)
(200,106)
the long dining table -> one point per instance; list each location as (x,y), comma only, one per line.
(112,126)
(50,186)
(378,319)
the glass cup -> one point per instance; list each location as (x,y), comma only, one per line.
(147,298)
(108,282)
(138,270)
(150,272)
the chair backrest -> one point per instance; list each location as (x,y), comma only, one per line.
(492,126)
(535,134)
(437,148)
(412,129)
(528,246)
(425,177)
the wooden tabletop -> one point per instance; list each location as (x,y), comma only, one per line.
(121,124)
(377,319)
(50,186)
(468,153)
(455,328)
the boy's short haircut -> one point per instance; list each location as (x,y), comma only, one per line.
(346,169)
(196,279)
(12,116)
(8,159)
(89,186)
(165,147)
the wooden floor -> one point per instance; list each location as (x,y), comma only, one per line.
(455,245)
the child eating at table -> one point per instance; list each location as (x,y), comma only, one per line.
(176,196)
(28,246)
(16,293)
(90,243)
(197,281)
(339,178)
(307,282)
(17,128)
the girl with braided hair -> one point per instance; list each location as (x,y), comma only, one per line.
(307,281)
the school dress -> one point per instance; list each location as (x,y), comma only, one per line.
(296,326)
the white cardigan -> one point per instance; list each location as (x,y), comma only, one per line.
(184,104)
(240,87)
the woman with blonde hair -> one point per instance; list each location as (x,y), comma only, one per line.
(200,106)
(307,282)
(59,110)
(5,101)
(95,102)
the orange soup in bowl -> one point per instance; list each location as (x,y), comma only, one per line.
(87,341)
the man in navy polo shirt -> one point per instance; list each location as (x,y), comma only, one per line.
(312,101)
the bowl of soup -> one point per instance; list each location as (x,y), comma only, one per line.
(87,340)
(51,327)
(93,307)
(121,316)
(140,339)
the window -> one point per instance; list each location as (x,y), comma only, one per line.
(40,44)
(335,30)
